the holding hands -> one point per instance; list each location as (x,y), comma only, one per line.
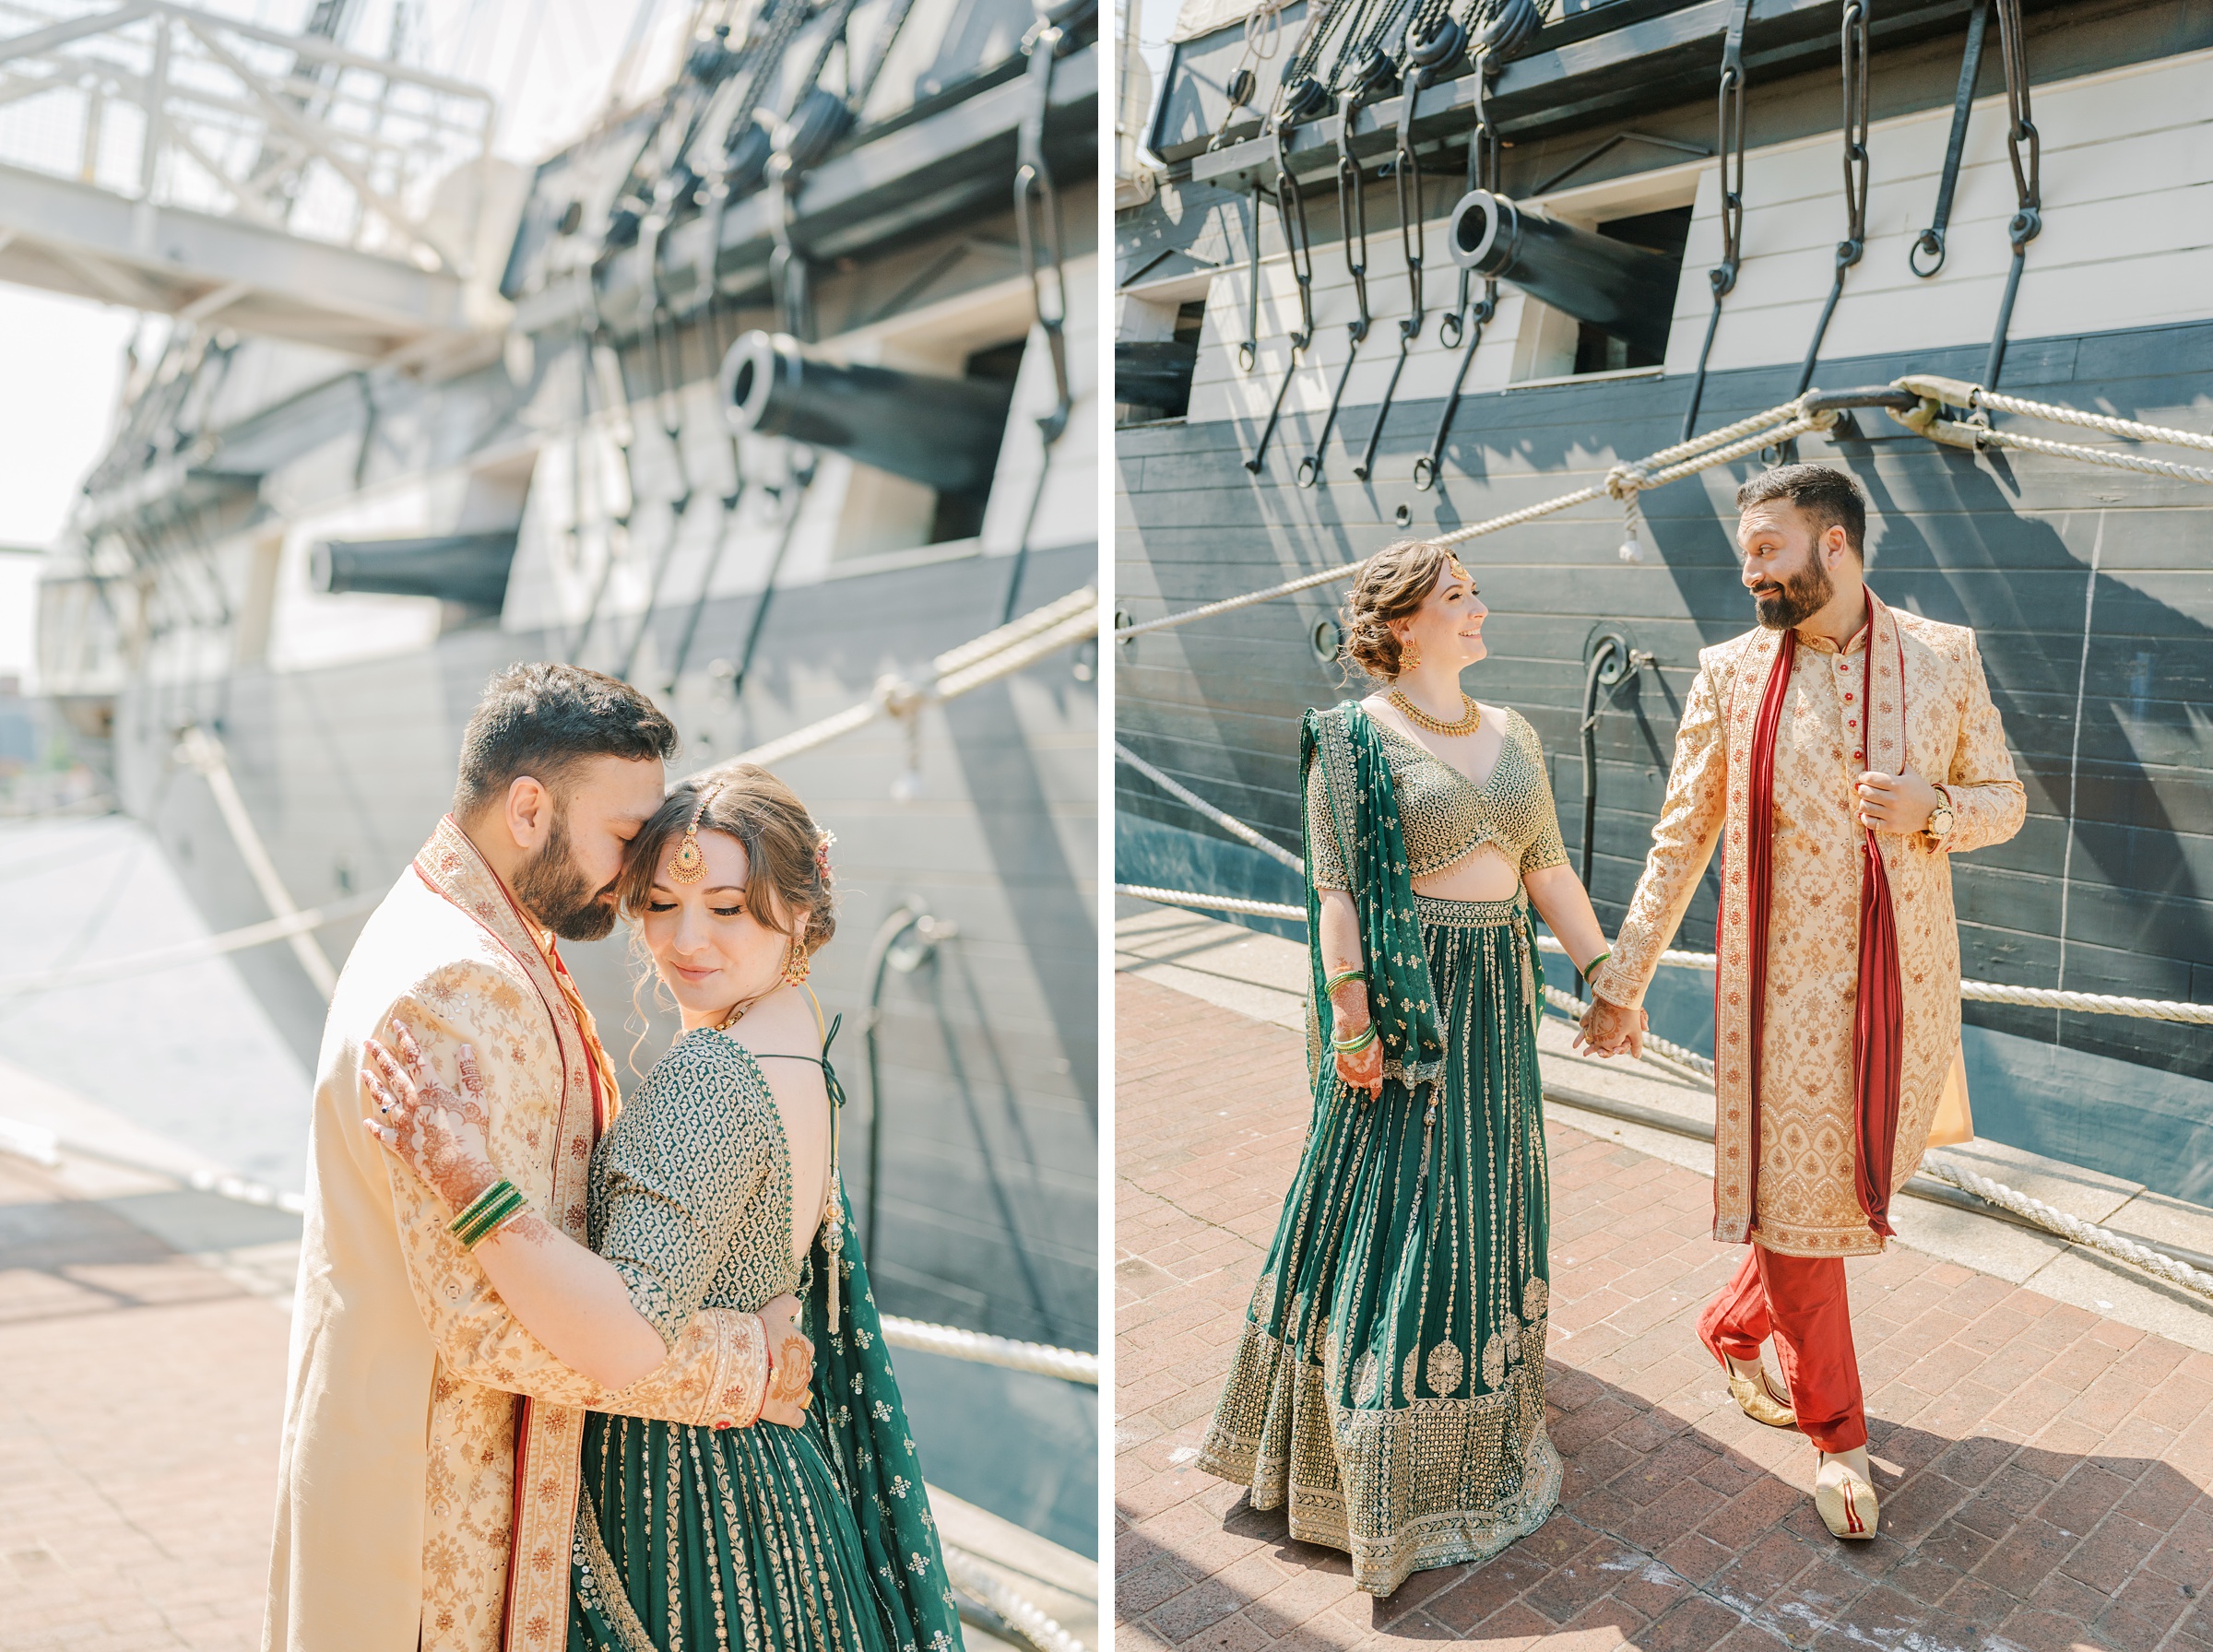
(1610,1029)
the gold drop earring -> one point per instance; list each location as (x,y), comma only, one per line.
(797,964)
(1410,655)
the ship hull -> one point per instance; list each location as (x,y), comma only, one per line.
(2087,589)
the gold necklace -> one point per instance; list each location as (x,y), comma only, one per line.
(739,1011)
(1469,723)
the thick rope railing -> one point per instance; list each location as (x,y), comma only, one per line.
(1670,463)
(2073,1228)
(1013,647)
(1176,897)
(1018,1612)
(1040,1359)
(1980,991)
(1957,393)
(1192,800)
(1767,429)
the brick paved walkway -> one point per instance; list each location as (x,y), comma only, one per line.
(2044,1473)
(141,1393)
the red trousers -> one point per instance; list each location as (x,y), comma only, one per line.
(1800,1302)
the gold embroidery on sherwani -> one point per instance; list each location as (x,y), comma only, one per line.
(1829,735)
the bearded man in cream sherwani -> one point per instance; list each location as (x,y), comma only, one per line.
(430,1463)
(1841,752)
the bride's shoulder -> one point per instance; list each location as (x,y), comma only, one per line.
(702,1065)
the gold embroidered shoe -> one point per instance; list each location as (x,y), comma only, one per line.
(1845,1502)
(1755,1397)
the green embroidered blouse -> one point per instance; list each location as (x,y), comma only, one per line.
(1445,816)
(690,1192)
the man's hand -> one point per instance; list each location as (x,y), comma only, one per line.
(791,1364)
(1609,1029)
(1900,803)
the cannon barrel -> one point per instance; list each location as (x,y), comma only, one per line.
(470,569)
(1624,289)
(943,433)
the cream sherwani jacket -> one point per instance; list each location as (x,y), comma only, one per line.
(1928,690)
(429,1438)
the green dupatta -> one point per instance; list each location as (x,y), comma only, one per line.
(861,1423)
(1364,807)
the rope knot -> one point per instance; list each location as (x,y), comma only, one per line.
(1624,482)
(897,696)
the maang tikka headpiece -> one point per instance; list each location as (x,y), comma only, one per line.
(689,866)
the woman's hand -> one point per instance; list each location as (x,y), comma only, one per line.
(1363,1070)
(434,1132)
(791,1364)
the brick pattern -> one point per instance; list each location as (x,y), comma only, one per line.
(141,1397)
(2044,1473)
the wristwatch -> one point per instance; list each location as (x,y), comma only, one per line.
(1940,818)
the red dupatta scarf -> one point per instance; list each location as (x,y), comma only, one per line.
(1878,1012)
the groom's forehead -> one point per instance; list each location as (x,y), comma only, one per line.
(623,791)
(1770,516)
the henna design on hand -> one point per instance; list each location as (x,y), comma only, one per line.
(436,1134)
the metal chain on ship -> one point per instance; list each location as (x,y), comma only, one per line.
(1375,73)
(664,347)
(2028,220)
(1929,243)
(1428,55)
(1849,250)
(1037,225)
(1298,241)
(1730,148)
(1506,33)
(1263,39)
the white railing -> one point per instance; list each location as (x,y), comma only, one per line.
(170,106)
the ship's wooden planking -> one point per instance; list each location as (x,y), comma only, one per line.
(341,715)
(2089,588)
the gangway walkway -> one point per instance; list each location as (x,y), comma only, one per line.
(176,162)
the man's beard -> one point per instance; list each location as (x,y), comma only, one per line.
(1804,594)
(557,894)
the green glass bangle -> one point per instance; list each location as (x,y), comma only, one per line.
(1585,971)
(1334,982)
(494,1219)
(486,1211)
(479,1205)
(1352,1047)
(522,1208)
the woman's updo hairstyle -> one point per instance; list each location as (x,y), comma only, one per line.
(1393,584)
(787,874)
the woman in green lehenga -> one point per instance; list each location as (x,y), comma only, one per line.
(1389,1385)
(717,1186)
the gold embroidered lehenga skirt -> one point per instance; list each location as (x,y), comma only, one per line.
(1389,1385)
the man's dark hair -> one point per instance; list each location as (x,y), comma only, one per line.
(544,720)
(1824,493)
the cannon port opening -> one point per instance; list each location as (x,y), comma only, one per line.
(959,514)
(1664,234)
(1153,375)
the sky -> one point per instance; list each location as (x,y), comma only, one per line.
(548,62)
